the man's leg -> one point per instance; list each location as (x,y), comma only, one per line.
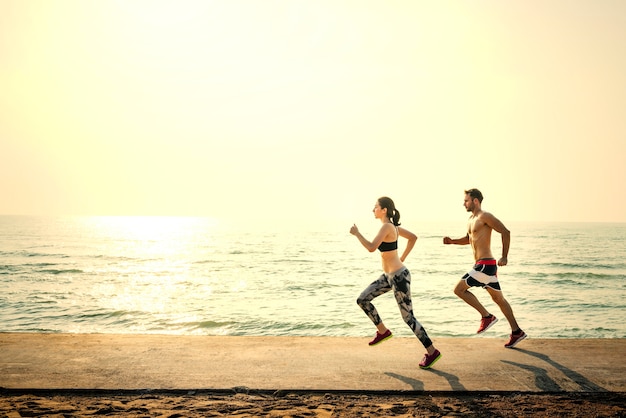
(461,290)
(505,307)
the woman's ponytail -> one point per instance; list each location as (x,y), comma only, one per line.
(396,217)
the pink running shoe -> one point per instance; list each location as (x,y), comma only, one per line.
(428,361)
(486,323)
(379,338)
(515,338)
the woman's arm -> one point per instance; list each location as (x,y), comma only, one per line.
(412,239)
(373,245)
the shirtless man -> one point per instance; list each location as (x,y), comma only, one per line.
(484,273)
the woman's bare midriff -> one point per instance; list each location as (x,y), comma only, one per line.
(391,261)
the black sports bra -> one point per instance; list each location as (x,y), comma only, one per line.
(389,246)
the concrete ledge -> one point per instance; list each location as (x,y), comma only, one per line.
(163,362)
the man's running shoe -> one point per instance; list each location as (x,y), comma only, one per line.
(428,361)
(379,338)
(515,339)
(486,323)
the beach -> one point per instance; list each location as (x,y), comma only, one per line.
(211,404)
(159,375)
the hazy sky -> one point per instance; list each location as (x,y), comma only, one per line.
(307,110)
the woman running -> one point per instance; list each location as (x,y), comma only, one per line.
(395,277)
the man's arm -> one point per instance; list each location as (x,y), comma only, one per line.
(495,224)
(458,241)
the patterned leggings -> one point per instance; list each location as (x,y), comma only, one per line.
(400,283)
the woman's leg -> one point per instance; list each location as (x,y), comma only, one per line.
(402,292)
(375,289)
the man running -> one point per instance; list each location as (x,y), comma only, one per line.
(485,271)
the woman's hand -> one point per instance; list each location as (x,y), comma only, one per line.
(354,230)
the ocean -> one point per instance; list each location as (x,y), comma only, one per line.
(199,276)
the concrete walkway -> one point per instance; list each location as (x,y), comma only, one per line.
(131,362)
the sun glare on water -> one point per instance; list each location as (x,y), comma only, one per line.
(154,261)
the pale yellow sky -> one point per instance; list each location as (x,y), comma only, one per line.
(308,110)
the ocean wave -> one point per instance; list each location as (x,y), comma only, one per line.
(579,277)
(43,255)
(61,271)
(208,324)
(9,269)
(586,264)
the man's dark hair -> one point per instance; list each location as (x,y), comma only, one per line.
(475,194)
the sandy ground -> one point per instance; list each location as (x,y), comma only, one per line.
(311,404)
